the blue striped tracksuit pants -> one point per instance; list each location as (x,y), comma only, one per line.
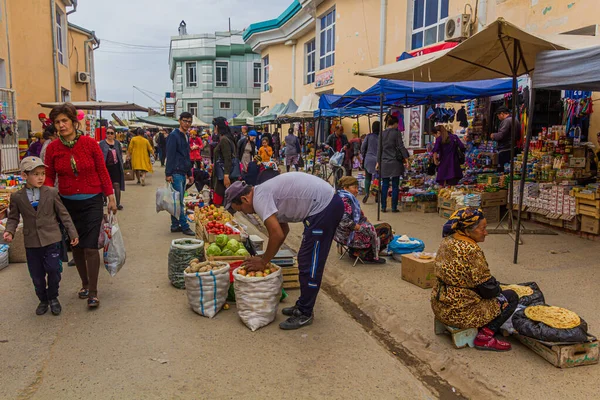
(319,230)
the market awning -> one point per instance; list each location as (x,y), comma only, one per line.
(482,56)
(160,120)
(100,106)
(271,115)
(198,122)
(290,108)
(306,109)
(240,119)
(568,69)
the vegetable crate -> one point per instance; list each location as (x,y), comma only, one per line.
(290,277)
(591,208)
(564,355)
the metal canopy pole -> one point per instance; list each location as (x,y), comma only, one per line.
(513,133)
(380,156)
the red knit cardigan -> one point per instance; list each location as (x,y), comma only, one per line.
(92,177)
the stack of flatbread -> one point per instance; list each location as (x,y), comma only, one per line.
(555,317)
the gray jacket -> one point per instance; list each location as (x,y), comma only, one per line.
(290,145)
(105,148)
(369,152)
(393,146)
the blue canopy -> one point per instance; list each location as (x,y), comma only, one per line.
(405,93)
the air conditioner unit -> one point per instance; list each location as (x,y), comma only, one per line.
(82,77)
(457,28)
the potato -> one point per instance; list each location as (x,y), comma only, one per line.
(203,269)
(194,261)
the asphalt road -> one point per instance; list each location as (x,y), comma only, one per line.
(144,342)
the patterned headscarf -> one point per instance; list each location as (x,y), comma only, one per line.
(461,220)
(271,165)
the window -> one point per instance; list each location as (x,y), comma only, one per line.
(429,20)
(311,52)
(2,73)
(257,72)
(265,64)
(256,107)
(225,105)
(65,95)
(191,76)
(221,73)
(327,41)
(192,108)
(61,35)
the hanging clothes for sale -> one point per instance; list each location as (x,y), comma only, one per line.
(461,117)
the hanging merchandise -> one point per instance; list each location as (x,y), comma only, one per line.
(440,114)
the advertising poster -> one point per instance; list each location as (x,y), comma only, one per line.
(414,130)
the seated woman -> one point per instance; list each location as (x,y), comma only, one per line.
(466,295)
(363,239)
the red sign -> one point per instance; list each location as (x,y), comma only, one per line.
(432,49)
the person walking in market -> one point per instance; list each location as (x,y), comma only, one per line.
(113,156)
(292,150)
(178,169)
(162,145)
(446,156)
(337,142)
(246,148)
(291,198)
(394,156)
(139,151)
(369,153)
(225,153)
(196,147)
(504,134)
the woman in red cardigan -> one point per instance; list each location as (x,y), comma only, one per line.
(83,179)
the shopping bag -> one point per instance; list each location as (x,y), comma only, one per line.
(167,199)
(337,159)
(114,246)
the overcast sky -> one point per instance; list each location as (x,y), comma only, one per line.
(149,25)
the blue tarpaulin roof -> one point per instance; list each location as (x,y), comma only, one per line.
(405,93)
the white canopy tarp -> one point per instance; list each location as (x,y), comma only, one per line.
(306,109)
(198,122)
(482,56)
(568,69)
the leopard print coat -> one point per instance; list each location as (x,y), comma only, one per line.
(460,266)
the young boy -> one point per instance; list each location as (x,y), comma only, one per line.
(265,152)
(40,206)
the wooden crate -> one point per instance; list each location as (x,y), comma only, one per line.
(564,355)
(445,213)
(427,207)
(590,225)
(492,214)
(588,207)
(407,206)
(573,224)
(290,277)
(447,204)
(585,196)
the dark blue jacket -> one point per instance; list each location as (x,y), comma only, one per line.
(178,154)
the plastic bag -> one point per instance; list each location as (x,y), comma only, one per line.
(182,252)
(114,246)
(337,159)
(3,256)
(207,291)
(257,299)
(540,331)
(167,199)
(536,298)
(414,245)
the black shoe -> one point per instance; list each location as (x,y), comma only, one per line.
(289,311)
(297,321)
(119,207)
(383,210)
(189,232)
(71,263)
(55,307)
(365,199)
(174,230)
(395,211)
(42,308)
(380,260)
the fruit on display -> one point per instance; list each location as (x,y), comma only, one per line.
(207,266)
(218,228)
(212,213)
(258,274)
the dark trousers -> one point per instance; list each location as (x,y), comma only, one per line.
(503,158)
(45,262)
(507,312)
(385,187)
(318,235)
(163,155)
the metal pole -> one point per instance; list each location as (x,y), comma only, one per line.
(380,156)
(524,172)
(513,134)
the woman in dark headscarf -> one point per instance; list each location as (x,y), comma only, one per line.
(224,152)
(466,295)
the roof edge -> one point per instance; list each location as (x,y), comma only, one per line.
(276,23)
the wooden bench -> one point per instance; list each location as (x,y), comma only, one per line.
(460,337)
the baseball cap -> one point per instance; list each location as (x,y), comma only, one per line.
(502,109)
(31,163)
(232,192)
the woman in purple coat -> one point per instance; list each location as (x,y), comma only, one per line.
(445,153)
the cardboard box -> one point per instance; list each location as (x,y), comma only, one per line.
(445,213)
(498,198)
(427,207)
(407,206)
(590,225)
(418,272)
(446,204)
(492,214)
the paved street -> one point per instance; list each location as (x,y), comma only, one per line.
(144,342)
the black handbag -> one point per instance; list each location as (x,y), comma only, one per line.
(236,171)
(459,154)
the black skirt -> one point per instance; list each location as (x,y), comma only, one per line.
(87,217)
(115,173)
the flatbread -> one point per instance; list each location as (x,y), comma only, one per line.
(555,317)
(521,291)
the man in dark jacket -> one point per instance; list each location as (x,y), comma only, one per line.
(337,142)
(163,134)
(179,169)
(504,134)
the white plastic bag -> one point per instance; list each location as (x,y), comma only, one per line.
(257,299)
(167,199)
(337,159)
(114,246)
(3,256)
(207,291)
